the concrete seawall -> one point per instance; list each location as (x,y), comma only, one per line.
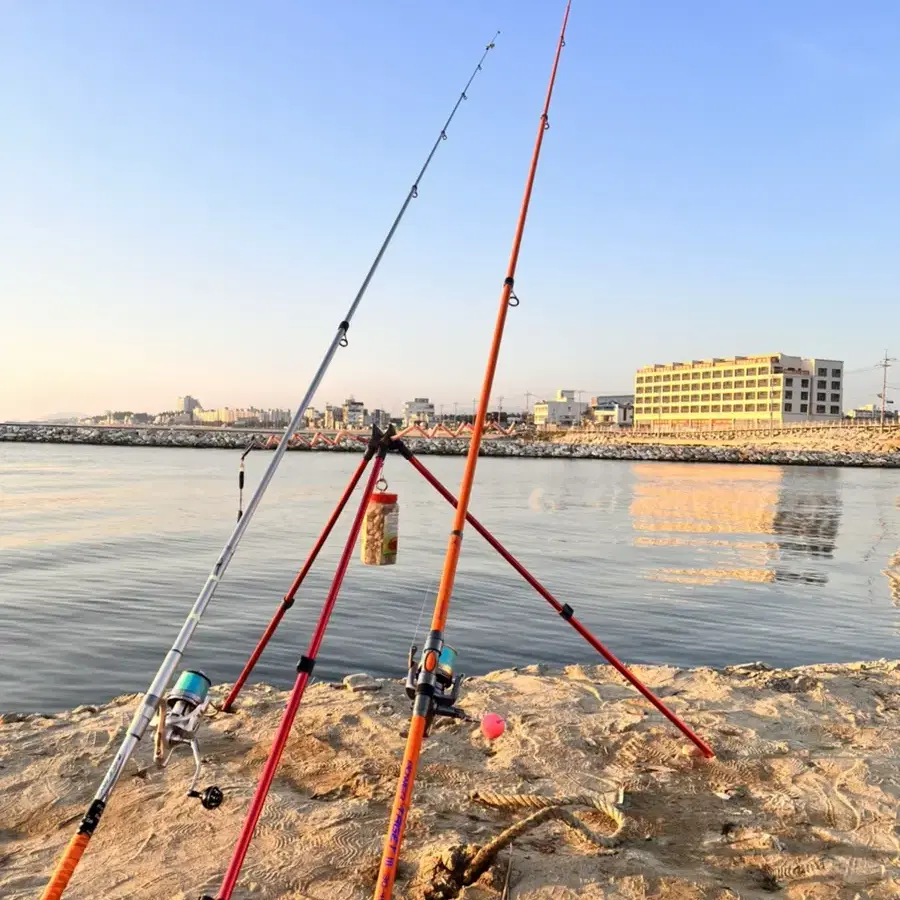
(235,440)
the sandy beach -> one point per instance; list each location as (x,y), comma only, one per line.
(801,800)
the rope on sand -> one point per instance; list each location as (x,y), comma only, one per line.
(546,809)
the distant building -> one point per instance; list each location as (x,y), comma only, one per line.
(380,418)
(353,413)
(603,399)
(334,417)
(419,411)
(562,410)
(872,412)
(612,413)
(769,388)
(187,404)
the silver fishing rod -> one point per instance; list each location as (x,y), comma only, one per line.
(152,700)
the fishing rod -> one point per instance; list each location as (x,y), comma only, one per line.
(288,599)
(563,609)
(430,698)
(152,699)
(304,671)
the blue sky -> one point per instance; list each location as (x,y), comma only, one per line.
(190,195)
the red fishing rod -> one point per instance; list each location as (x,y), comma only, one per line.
(304,671)
(564,610)
(288,599)
(430,695)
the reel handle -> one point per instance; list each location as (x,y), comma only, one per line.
(210,798)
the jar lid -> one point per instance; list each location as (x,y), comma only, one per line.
(384,498)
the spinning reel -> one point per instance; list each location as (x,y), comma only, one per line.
(446,686)
(178,722)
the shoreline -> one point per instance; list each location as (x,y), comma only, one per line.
(518,448)
(801,798)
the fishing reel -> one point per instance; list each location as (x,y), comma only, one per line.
(178,722)
(446,686)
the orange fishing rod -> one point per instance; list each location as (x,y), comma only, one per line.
(430,699)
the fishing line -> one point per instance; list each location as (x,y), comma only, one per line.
(151,700)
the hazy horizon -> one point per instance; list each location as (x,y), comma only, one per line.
(192,195)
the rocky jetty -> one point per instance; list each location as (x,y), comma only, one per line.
(493,446)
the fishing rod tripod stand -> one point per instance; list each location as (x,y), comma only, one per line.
(431,682)
(446,698)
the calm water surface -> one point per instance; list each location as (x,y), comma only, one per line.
(103,550)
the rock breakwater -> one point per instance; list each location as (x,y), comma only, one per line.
(509,447)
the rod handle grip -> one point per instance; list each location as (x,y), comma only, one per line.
(66,867)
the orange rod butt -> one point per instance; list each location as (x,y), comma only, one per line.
(66,866)
(390,858)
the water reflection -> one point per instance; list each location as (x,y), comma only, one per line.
(683,506)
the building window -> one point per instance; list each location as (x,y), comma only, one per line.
(804,395)
(704,409)
(726,397)
(717,385)
(707,374)
(738,372)
(685,409)
(820,396)
(695,376)
(695,398)
(695,409)
(820,408)
(656,378)
(639,379)
(728,385)
(655,410)
(822,372)
(738,395)
(716,408)
(667,377)
(821,384)
(704,398)
(761,395)
(726,407)
(716,397)
(728,373)
(666,388)
(835,410)
(804,407)
(835,385)
(738,407)
(835,398)
(804,382)
(788,382)
(788,395)
(774,407)
(835,373)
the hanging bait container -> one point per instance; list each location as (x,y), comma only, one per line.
(381,529)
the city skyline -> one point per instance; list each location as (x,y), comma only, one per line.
(174,220)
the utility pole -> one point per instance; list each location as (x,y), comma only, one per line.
(442,413)
(884,365)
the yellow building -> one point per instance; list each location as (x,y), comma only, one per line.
(773,388)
